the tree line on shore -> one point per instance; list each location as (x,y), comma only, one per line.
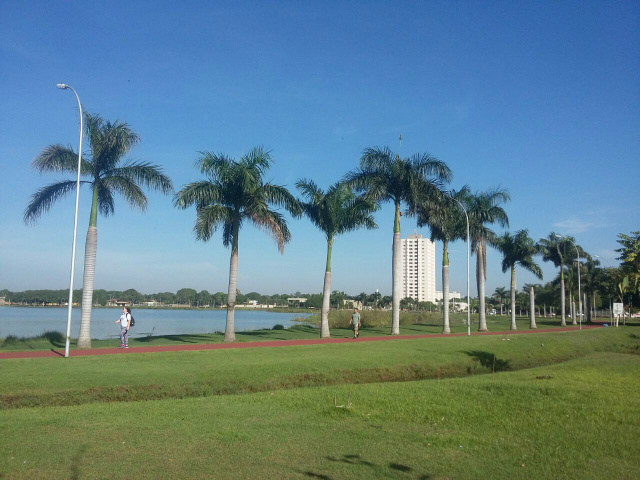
(234,193)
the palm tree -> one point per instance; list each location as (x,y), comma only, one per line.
(484,209)
(530,289)
(445,220)
(109,143)
(500,293)
(235,192)
(335,212)
(386,177)
(559,251)
(591,283)
(517,249)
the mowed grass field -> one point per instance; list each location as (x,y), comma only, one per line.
(550,405)
(375,323)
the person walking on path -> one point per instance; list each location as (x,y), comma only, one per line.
(355,322)
(125,324)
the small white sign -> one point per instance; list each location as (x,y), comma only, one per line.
(617,309)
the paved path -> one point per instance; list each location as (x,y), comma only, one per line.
(275,343)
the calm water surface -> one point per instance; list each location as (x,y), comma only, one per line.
(32,321)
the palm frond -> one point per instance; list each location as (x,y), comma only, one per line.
(376,158)
(199,194)
(208,219)
(109,141)
(274,224)
(310,190)
(428,165)
(128,188)
(215,166)
(43,199)
(143,173)
(258,159)
(57,158)
(105,200)
(279,196)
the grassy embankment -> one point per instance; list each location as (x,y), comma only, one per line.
(559,405)
(375,323)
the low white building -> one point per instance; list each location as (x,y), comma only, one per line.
(452,295)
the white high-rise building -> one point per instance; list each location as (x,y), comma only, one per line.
(418,268)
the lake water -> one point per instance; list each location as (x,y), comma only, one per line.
(32,321)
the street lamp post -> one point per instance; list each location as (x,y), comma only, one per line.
(75,222)
(610,308)
(579,295)
(468,255)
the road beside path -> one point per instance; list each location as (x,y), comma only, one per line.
(274,343)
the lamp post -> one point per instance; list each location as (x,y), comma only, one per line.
(579,295)
(468,255)
(75,222)
(610,308)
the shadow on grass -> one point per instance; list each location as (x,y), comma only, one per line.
(490,361)
(55,338)
(75,463)
(376,471)
(174,338)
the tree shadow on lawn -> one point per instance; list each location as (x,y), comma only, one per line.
(490,361)
(377,471)
(173,338)
(76,461)
(425,328)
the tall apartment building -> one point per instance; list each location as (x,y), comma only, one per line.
(418,268)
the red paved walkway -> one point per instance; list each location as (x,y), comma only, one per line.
(275,343)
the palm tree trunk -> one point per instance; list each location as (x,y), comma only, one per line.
(90,251)
(563,322)
(513,298)
(574,320)
(532,303)
(396,274)
(229,330)
(326,295)
(482,323)
(445,289)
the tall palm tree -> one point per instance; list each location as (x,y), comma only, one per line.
(447,223)
(484,209)
(335,212)
(590,282)
(559,251)
(530,289)
(500,293)
(385,177)
(517,249)
(109,143)
(233,193)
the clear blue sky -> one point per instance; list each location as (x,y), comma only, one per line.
(542,98)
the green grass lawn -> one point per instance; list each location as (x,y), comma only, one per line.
(559,405)
(374,324)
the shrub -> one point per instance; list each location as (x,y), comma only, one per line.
(277,326)
(11,340)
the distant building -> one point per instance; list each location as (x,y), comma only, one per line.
(418,268)
(2,301)
(114,302)
(452,295)
(296,302)
(352,304)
